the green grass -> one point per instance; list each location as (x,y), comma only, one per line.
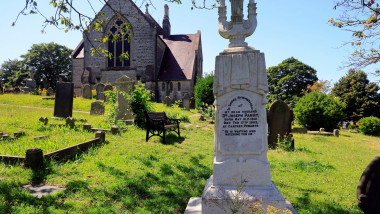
(79,104)
(129,175)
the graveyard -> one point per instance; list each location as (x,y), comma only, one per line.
(128,174)
(129,122)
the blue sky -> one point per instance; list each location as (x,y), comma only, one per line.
(285,29)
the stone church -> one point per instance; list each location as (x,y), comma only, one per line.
(167,64)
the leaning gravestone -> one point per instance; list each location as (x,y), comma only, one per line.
(368,188)
(63,106)
(124,85)
(97,108)
(87,93)
(99,91)
(280,119)
(241,142)
(186,101)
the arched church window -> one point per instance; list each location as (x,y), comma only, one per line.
(163,86)
(118,43)
(179,86)
(171,86)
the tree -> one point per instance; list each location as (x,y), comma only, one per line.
(317,110)
(288,79)
(323,86)
(360,96)
(51,61)
(13,73)
(362,18)
(203,91)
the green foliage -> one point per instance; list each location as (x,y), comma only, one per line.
(370,126)
(176,112)
(13,73)
(203,91)
(138,102)
(110,106)
(52,62)
(286,142)
(288,79)
(360,96)
(207,111)
(317,110)
(351,126)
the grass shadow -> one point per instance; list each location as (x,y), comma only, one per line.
(172,139)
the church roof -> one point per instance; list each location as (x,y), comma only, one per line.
(153,23)
(78,53)
(179,58)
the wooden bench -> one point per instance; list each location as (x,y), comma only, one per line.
(157,124)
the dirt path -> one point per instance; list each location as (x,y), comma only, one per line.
(34,107)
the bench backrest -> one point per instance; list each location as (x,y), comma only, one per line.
(155,115)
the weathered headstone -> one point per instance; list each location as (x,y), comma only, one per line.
(99,92)
(115,130)
(86,127)
(97,108)
(192,103)
(168,101)
(70,122)
(63,106)
(336,132)
(87,93)
(107,88)
(322,130)
(124,85)
(368,188)
(50,91)
(34,158)
(186,101)
(279,122)
(241,142)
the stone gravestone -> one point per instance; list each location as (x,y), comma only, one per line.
(30,83)
(107,88)
(368,188)
(186,102)
(63,106)
(241,142)
(87,93)
(97,108)
(168,101)
(99,92)
(125,85)
(50,91)
(192,103)
(280,119)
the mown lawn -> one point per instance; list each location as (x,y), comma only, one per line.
(129,175)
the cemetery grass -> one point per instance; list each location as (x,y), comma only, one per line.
(129,175)
(79,104)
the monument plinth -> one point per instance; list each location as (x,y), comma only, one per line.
(241,170)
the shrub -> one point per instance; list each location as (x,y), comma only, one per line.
(370,126)
(351,126)
(203,91)
(317,110)
(138,102)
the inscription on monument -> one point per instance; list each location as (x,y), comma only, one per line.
(240,118)
(241,129)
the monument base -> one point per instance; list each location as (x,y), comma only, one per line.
(217,200)
(195,206)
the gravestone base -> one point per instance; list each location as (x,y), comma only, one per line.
(216,199)
(128,122)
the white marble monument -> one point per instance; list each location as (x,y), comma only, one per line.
(241,142)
